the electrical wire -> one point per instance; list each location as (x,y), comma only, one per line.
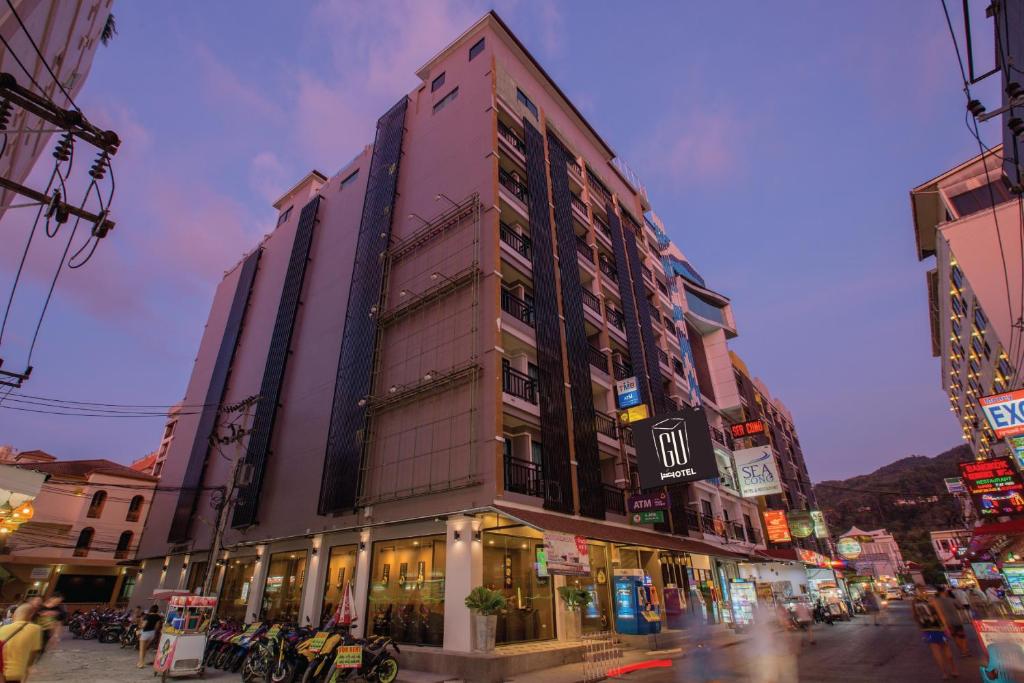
(41,57)
(28,73)
(117,405)
(52,412)
(112,411)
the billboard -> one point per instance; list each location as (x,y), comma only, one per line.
(849,547)
(820,528)
(567,554)
(776,527)
(994,486)
(800,523)
(674,448)
(757,472)
(1004,412)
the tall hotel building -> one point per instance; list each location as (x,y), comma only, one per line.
(435,333)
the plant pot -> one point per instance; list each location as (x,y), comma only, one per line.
(573,624)
(484,627)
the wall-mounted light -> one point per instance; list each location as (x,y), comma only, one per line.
(362,545)
(477,535)
(316,551)
(457,535)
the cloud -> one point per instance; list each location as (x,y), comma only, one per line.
(268,176)
(230,93)
(696,146)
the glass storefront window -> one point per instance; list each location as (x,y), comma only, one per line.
(598,615)
(510,566)
(196,576)
(282,593)
(406,598)
(234,594)
(341,570)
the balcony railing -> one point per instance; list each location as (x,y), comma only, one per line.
(603,227)
(734,530)
(622,370)
(614,501)
(591,301)
(693,520)
(597,188)
(753,535)
(584,249)
(517,188)
(523,476)
(717,435)
(707,525)
(605,424)
(662,356)
(516,307)
(609,270)
(577,204)
(615,318)
(511,138)
(647,272)
(521,243)
(627,436)
(519,385)
(597,358)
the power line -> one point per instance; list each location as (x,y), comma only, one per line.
(41,57)
(117,405)
(80,414)
(28,73)
(113,411)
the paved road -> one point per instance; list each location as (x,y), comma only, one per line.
(847,652)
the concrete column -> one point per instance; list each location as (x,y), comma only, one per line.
(117,587)
(561,613)
(361,589)
(259,580)
(312,595)
(464,568)
(185,563)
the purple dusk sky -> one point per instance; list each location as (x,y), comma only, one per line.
(778,141)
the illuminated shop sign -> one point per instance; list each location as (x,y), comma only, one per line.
(994,486)
(674,448)
(748,428)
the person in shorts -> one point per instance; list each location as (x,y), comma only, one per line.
(950,613)
(933,632)
(148,625)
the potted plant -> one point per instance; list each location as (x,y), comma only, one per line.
(576,600)
(485,605)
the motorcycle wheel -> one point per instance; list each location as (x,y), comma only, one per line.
(283,672)
(386,671)
(310,674)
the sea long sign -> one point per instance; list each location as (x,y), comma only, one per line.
(674,448)
(757,472)
(994,486)
(1004,412)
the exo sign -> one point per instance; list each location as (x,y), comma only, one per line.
(674,448)
(1004,412)
(627,392)
(757,472)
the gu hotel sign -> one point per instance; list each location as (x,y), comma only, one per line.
(674,448)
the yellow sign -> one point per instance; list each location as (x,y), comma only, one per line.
(634,414)
(349,657)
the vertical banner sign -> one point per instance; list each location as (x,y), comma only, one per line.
(820,528)
(800,523)
(994,486)
(1004,412)
(776,527)
(674,448)
(757,472)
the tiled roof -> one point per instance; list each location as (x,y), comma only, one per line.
(85,468)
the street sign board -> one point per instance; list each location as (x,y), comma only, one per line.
(820,527)
(674,448)
(627,392)
(776,527)
(800,523)
(757,472)
(1004,412)
(849,547)
(748,428)
(647,517)
(634,414)
(955,485)
(649,501)
(994,486)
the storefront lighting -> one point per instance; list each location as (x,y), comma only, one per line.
(490,541)
(415,542)
(25,511)
(6,510)
(362,545)
(457,535)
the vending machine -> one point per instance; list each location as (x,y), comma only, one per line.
(637,605)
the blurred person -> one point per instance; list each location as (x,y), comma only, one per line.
(51,617)
(873,606)
(804,621)
(22,642)
(770,650)
(963,604)
(995,601)
(703,663)
(933,632)
(950,613)
(978,601)
(148,625)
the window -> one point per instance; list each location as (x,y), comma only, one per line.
(134,509)
(282,593)
(537,452)
(84,542)
(509,567)
(705,506)
(987,349)
(284,215)
(444,101)
(99,499)
(526,102)
(477,48)
(123,543)
(958,277)
(437,83)
(979,317)
(341,571)
(234,594)
(349,179)
(406,598)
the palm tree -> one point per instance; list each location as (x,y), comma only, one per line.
(109,30)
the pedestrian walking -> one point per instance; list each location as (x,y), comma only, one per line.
(51,618)
(804,620)
(148,625)
(933,632)
(950,613)
(873,605)
(995,601)
(21,641)
(962,603)
(979,603)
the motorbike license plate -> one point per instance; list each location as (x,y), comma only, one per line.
(349,657)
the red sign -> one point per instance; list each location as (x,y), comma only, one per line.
(748,428)
(994,486)
(776,526)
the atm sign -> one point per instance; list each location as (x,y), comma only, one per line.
(749,428)
(1005,413)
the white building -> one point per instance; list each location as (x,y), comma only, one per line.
(881,557)
(945,543)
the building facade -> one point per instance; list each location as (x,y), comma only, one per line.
(950,545)
(970,223)
(434,334)
(67,34)
(880,557)
(88,519)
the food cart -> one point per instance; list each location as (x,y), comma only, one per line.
(183,638)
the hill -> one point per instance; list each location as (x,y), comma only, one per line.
(907,497)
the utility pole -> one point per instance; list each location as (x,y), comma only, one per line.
(225,506)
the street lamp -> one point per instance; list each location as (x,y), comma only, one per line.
(441,195)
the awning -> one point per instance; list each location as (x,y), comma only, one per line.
(995,534)
(579,526)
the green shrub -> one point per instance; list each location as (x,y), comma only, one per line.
(484,601)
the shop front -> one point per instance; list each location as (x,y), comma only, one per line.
(407,590)
(282,591)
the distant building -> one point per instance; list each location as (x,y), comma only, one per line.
(67,33)
(946,543)
(88,519)
(880,557)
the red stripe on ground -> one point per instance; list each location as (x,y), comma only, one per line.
(649,664)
